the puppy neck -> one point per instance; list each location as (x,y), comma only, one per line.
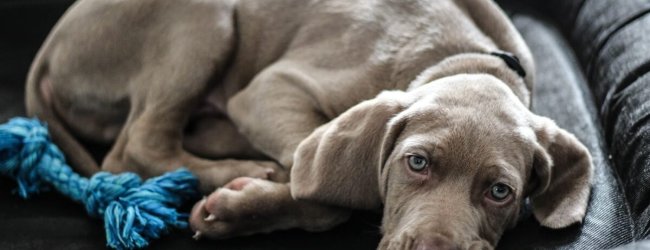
(477,63)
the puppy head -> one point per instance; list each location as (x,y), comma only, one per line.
(450,161)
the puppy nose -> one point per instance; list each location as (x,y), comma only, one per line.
(435,243)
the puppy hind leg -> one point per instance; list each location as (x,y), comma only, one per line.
(174,76)
(151,144)
(216,137)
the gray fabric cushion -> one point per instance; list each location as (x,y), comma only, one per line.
(561,93)
(613,41)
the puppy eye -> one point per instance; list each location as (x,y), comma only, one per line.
(417,163)
(499,192)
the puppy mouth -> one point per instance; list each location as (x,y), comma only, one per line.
(393,242)
(411,240)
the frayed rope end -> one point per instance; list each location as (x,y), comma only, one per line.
(147,211)
(134,212)
(22,144)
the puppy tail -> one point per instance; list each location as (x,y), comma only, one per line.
(38,104)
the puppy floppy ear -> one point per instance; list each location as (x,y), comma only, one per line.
(338,163)
(563,167)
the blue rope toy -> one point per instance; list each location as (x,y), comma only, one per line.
(134,211)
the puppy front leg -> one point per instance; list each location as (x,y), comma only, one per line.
(277,110)
(247,206)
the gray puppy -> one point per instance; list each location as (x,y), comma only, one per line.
(419,108)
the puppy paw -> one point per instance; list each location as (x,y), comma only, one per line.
(242,207)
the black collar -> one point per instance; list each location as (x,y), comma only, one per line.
(512,61)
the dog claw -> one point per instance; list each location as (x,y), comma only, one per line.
(197,235)
(210,217)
